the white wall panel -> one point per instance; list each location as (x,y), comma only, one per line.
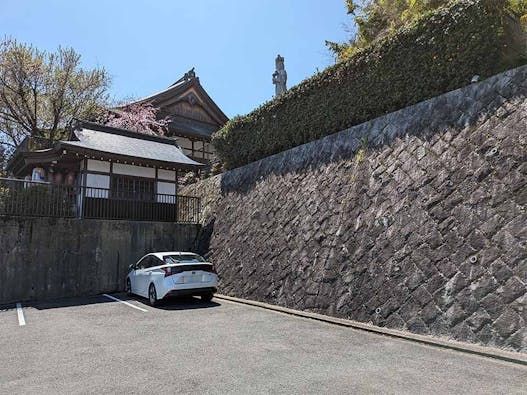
(166,175)
(97,165)
(166,188)
(131,170)
(184,143)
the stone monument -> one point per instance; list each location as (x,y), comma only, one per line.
(279,76)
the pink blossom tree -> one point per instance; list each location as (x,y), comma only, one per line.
(139,117)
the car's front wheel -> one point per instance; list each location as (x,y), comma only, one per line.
(207,297)
(152,295)
(128,288)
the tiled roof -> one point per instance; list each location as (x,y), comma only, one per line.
(126,143)
(191,127)
(167,96)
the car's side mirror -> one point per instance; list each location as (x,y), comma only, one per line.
(131,267)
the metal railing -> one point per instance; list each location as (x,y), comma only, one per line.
(106,203)
(42,199)
(37,199)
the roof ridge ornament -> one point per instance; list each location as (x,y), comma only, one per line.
(190,75)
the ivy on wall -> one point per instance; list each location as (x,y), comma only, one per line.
(437,53)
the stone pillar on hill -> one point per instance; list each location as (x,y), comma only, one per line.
(279,76)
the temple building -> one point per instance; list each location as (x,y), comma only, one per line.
(101,171)
(192,114)
(105,172)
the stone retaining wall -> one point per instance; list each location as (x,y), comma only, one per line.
(416,220)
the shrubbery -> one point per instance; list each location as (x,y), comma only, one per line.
(440,52)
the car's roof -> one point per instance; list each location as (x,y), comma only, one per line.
(160,255)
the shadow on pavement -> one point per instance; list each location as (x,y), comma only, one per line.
(175,303)
(61,302)
(178,303)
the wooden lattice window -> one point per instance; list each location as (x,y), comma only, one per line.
(132,188)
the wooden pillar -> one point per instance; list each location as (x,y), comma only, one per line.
(82,187)
(177,180)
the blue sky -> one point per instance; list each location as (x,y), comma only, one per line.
(147,45)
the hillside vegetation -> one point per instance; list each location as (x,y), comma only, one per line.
(436,53)
(375,19)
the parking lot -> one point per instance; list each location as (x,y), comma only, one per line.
(100,345)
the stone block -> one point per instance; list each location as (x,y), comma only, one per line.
(512,289)
(477,320)
(507,323)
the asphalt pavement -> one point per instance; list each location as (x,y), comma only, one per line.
(100,345)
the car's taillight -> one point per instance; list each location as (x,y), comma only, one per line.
(214,269)
(168,271)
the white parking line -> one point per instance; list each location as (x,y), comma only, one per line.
(21,320)
(126,303)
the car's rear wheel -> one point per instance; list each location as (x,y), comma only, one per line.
(152,295)
(207,297)
(128,288)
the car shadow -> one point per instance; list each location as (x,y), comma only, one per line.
(178,303)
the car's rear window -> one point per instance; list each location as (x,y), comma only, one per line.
(183,258)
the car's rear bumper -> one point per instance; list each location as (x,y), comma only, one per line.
(192,291)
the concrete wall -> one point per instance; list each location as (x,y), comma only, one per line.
(47,257)
(416,220)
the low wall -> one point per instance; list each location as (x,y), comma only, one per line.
(415,220)
(48,257)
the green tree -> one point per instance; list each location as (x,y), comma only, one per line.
(519,7)
(374,19)
(41,92)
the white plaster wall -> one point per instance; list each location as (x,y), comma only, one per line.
(166,188)
(98,165)
(184,143)
(131,170)
(166,175)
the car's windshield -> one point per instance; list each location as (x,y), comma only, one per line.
(182,258)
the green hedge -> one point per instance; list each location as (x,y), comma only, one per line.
(440,52)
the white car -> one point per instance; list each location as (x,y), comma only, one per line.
(161,274)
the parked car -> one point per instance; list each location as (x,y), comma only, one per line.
(161,274)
